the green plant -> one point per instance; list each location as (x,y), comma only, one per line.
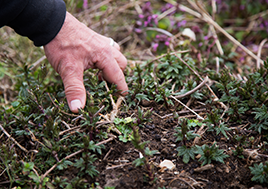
(85,163)
(184,133)
(261,117)
(8,161)
(186,152)
(260,172)
(214,122)
(171,68)
(239,152)
(210,153)
(122,126)
(146,153)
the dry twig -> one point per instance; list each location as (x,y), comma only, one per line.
(68,157)
(215,96)
(193,90)
(259,53)
(203,15)
(11,138)
(198,116)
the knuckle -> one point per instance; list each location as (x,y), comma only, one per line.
(69,70)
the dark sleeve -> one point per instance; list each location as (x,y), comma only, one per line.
(39,20)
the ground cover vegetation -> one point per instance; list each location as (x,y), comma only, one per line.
(198,82)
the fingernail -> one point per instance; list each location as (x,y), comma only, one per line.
(75,105)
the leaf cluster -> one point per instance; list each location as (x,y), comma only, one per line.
(260,172)
(210,153)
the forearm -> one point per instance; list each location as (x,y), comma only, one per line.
(39,20)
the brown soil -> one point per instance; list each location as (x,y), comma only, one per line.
(116,168)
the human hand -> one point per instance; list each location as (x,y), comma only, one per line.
(77,48)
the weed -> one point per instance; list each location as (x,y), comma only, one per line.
(261,118)
(122,126)
(210,153)
(36,115)
(214,122)
(184,134)
(146,153)
(260,172)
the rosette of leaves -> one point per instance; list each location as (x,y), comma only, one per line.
(260,172)
(184,134)
(210,153)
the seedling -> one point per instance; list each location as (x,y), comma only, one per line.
(260,172)
(214,123)
(184,134)
(146,153)
(123,126)
(210,153)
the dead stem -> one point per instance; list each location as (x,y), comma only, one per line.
(215,96)
(207,18)
(203,15)
(177,178)
(115,110)
(68,157)
(204,168)
(198,116)
(200,132)
(258,65)
(193,90)
(34,65)
(11,138)
(180,112)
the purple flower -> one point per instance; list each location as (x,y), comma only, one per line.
(85,4)
(138,30)
(182,23)
(206,38)
(166,7)
(139,23)
(154,17)
(196,29)
(145,24)
(155,45)
(147,7)
(141,16)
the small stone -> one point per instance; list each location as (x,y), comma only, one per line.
(157,137)
(163,140)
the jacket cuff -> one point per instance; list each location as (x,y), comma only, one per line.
(40,20)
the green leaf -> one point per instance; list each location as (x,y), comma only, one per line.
(64,164)
(139,161)
(260,172)
(28,166)
(141,97)
(149,152)
(15,104)
(187,153)
(35,178)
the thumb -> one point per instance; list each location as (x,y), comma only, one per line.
(72,77)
